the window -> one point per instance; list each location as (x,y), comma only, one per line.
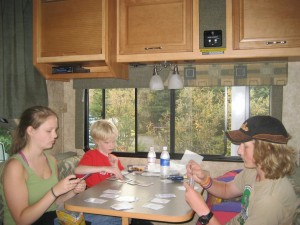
(193,118)
(5,143)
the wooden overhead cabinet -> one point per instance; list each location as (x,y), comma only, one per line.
(76,34)
(266,24)
(155,29)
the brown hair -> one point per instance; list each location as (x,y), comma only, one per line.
(34,117)
(276,160)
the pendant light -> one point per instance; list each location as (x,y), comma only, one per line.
(175,81)
(156,83)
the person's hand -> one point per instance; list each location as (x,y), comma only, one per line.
(195,200)
(115,171)
(65,185)
(195,171)
(80,187)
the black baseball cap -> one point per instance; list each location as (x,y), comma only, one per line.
(265,128)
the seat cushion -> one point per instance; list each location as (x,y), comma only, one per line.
(225,210)
(1,199)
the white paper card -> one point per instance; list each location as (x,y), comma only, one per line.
(153,206)
(127,199)
(160,200)
(189,155)
(95,200)
(122,206)
(109,195)
(165,195)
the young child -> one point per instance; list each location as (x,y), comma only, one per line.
(99,162)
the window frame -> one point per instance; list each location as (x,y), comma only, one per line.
(276,93)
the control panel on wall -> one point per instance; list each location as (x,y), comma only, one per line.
(212,25)
(212,38)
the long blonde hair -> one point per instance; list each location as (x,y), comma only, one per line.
(276,160)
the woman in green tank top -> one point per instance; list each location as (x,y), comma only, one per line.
(30,184)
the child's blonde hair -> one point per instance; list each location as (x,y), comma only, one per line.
(103,130)
(276,160)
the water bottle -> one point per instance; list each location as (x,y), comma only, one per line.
(151,159)
(164,163)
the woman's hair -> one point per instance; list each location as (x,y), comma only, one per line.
(276,160)
(103,130)
(33,117)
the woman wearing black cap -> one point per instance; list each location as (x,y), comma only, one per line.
(268,197)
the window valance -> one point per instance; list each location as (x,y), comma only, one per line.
(202,75)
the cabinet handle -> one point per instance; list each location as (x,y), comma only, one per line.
(153,48)
(275,42)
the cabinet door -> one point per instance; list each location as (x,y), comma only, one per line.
(262,24)
(155,26)
(76,38)
(71,28)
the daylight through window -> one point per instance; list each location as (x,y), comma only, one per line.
(192,118)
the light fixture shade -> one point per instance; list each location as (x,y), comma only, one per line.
(156,83)
(175,81)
